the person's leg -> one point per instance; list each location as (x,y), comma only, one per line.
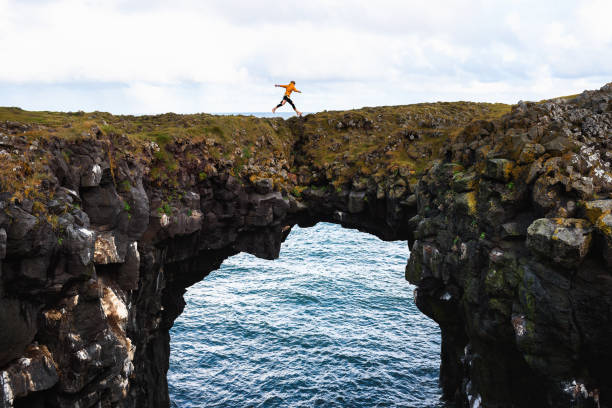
(278,106)
(294,108)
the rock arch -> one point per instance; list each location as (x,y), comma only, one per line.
(508,220)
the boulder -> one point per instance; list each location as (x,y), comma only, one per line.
(463,182)
(92,176)
(109,248)
(564,241)
(102,205)
(559,145)
(499,169)
(79,243)
(36,371)
(595,209)
(530,152)
(20,234)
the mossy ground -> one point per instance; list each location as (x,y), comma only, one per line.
(389,139)
(369,142)
(225,131)
(158,141)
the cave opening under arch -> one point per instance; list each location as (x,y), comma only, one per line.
(332,321)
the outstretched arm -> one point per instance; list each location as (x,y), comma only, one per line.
(281,86)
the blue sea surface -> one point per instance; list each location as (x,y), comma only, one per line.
(331,323)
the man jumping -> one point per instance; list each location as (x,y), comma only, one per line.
(288,89)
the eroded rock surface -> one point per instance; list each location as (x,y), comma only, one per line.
(509,222)
(518,274)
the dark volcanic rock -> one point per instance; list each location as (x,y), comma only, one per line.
(525,260)
(564,241)
(102,204)
(17,328)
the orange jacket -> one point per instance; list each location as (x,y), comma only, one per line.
(289,88)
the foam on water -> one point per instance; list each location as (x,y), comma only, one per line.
(332,322)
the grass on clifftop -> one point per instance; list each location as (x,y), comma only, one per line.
(231,139)
(341,145)
(376,141)
(226,131)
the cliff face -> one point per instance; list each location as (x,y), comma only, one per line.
(513,253)
(107,220)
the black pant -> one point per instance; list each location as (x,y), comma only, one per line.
(286,98)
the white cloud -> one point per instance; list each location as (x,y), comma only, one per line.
(187,55)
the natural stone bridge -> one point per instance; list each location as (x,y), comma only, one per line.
(106,220)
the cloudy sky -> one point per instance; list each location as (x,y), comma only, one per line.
(152,56)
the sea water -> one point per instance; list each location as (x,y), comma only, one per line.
(331,323)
